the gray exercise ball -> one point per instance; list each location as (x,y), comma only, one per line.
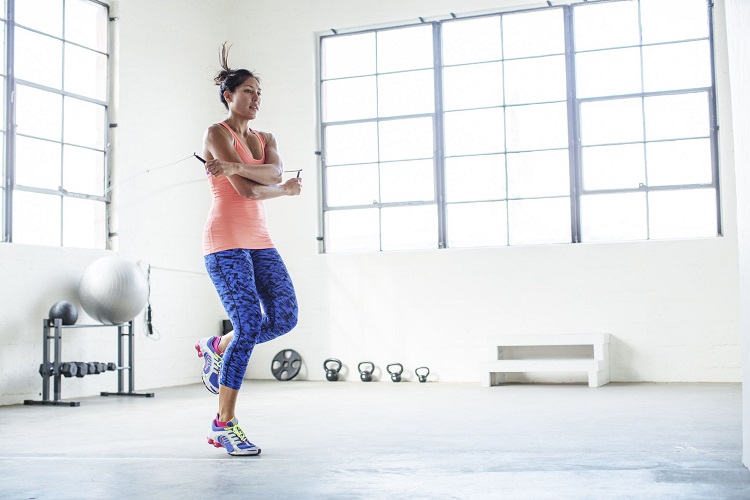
(113,290)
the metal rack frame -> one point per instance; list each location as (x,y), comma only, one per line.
(52,331)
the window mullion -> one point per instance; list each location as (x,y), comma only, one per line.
(574,139)
(10,111)
(438,130)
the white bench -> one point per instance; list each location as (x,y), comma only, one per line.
(597,367)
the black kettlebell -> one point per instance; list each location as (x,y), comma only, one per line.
(332,374)
(395,374)
(422,376)
(366,375)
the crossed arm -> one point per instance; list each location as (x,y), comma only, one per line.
(252,181)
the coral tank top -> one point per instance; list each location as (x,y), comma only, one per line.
(234,221)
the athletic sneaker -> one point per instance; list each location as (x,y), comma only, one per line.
(211,363)
(231,438)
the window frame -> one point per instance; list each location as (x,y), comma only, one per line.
(573,105)
(11,84)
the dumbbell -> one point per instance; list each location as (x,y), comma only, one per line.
(66,369)
(83,368)
(111,367)
(46,370)
(69,369)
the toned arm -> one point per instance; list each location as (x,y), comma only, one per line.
(222,159)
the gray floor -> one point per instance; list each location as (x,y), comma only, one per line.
(386,440)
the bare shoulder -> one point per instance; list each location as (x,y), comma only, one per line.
(216,132)
(268,137)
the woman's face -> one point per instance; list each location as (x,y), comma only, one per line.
(245,100)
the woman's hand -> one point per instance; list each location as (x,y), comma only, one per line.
(293,186)
(217,167)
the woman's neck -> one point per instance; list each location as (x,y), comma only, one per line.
(239,125)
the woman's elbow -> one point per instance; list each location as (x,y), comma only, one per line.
(277,179)
(250,194)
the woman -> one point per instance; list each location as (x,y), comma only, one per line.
(244,168)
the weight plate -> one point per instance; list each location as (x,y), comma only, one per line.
(286,365)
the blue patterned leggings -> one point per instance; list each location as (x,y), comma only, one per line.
(258,295)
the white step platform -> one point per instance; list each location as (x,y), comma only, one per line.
(493,372)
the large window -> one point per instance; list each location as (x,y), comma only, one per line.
(590,122)
(54,135)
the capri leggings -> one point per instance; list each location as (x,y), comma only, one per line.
(258,295)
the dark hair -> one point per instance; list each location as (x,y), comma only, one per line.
(229,79)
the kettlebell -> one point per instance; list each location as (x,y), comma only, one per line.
(395,375)
(332,374)
(422,376)
(366,375)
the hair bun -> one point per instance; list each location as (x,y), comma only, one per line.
(222,76)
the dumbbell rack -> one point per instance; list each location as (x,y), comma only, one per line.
(52,330)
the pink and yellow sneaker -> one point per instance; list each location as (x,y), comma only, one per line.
(231,437)
(211,363)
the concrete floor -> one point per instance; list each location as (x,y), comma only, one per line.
(386,440)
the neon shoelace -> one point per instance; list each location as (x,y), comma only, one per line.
(235,431)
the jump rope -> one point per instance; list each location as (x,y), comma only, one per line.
(149,170)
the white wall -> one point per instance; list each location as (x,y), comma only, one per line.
(738,18)
(672,307)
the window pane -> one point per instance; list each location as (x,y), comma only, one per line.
(83,170)
(409,228)
(537,174)
(38,163)
(36,218)
(677,66)
(475,178)
(472,40)
(38,58)
(679,162)
(84,123)
(407,181)
(538,126)
(405,48)
(356,143)
(473,86)
(2,40)
(85,72)
(539,79)
(608,72)
(41,15)
(407,93)
(682,214)
(539,221)
(86,24)
(352,185)
(2,103)
(537,33)
(408,139)
(613,217)
(352,230)
(474,132)
(672,20)
(30,105)
(677,116)
(348,55)
(477,225)
(605,25)
(607,122)
(349,99)
(84,223)
(613,167)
